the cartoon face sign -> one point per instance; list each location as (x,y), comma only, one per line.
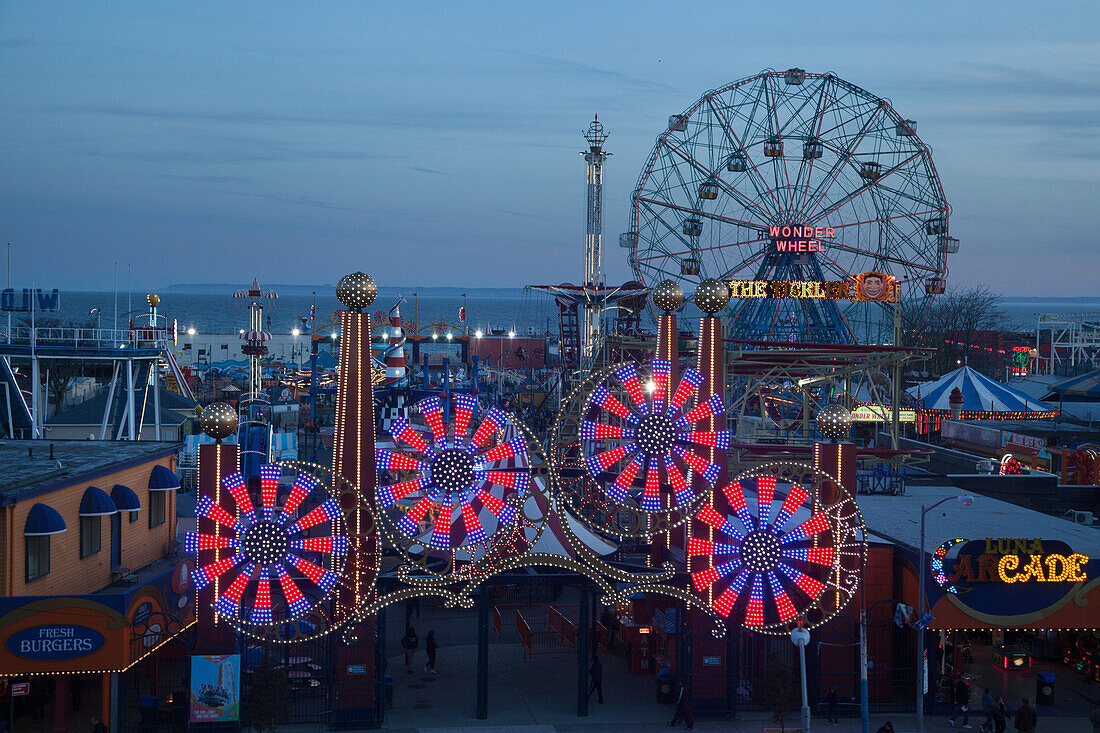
(874,286)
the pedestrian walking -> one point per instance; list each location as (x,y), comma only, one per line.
(962,703)
(430,646)
(987,708)
(1026,718)
(832,702)
(409,642)
(887,727)
(595,675)
(1094,717)
(683,708)
(1000,715)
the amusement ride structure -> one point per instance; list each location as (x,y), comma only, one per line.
(661,475)
(793,177)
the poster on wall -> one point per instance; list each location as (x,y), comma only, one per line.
(215,687)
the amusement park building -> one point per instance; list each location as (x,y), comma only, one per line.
(87,584)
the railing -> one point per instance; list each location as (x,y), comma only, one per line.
(556,621)
(88,337)
(524,631)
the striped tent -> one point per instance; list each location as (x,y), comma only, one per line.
(1086,385)
(983,398)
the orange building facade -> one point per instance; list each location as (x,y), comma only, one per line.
(88,579)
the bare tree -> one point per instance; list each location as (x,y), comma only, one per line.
(964,326)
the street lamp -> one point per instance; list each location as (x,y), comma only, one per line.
(922,672)
(800,637)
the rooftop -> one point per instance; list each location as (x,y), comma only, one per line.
(897,519)
(27,469)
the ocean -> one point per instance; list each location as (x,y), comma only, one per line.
(527,311)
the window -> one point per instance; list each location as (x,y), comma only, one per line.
(90,535)
(38,556)
(133,516)
(156,508)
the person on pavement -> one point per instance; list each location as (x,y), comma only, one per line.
(1026,719)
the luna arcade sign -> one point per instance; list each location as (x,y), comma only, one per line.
(29,299)
(1004,560)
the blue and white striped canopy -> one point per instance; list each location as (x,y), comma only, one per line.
(980,393)
(1086,385)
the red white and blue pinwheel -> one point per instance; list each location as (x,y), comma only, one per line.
(459,488)
(644,446)
(765,568)
(282,558)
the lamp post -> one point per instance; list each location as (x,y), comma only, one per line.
(800,637)
(922,672)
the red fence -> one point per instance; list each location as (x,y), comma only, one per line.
(541,628)
(525,635)
(566,629)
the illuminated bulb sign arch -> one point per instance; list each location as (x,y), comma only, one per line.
(1007,560)
(866,287)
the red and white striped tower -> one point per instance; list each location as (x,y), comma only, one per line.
(711,297)
(216,461)
(395,354)
(668,297)
(254,347)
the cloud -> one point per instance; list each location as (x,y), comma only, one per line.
(587,71)
(433,171)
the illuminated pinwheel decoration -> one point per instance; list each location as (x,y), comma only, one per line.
(280,560)
(460,491)
(649,444)
(938,558)
(765,567)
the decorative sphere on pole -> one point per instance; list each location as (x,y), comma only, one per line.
(668,296)
(356,290)
(834,421)
(153,299)
(711,296)
(218,420)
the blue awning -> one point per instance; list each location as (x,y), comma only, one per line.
(125,498)
(43,520)
(161,479)
(96,503)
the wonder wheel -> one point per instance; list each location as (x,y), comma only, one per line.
(777,547)
(283,546)
(735,182)
(459,504)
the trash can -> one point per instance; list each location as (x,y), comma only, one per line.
(387,692)
(664,686)
(1044,688)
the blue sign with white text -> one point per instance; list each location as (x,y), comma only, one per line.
(55,641)
(29,299)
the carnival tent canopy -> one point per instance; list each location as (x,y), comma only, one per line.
(1086,385)
(980,394)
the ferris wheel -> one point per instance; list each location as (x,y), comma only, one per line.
(737,181)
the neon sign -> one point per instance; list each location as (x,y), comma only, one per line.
(864,287)
(881,413)
(1059,569)
(810,289)
(1008,560)
(800,239)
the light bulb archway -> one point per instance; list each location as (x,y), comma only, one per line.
(782,544)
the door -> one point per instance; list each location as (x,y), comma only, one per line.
(116,539)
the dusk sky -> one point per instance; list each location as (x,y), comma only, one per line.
(436,143)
